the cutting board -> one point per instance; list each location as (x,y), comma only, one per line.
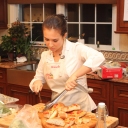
(6,121)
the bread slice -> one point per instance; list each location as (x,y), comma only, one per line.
(62,115)
(56,121)
(69,122)
(78,121)
(86,120)
(48,113)
(54,114)
(59,106)
(78,113)
(72,108)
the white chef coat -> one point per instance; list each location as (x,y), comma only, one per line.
(75,55)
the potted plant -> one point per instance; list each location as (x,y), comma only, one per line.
(19,38)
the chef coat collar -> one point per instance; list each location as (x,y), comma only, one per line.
(66,46)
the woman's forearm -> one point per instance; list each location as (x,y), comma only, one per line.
(82,71)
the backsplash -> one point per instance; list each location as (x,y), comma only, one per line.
(115,55)
(37,50)
(109,55)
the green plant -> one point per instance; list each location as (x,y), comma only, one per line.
(6,44)
(17,36)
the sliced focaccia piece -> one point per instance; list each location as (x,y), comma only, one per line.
(78,113)
(65,109)
(62,115)
(78,121)
(85,120)
(72,108)
(69,122)
(56,121)
(59,106)
(54,114)
(48,113)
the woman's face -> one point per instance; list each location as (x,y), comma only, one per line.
(53,39)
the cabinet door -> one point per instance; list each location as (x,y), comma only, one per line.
(120,110)
(23,93)
(122,26)
(2,80)
(3,14)
(45,96)
(119,102)
(100,91)
(3,75)
(3,88)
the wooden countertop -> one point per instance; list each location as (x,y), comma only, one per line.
(111,122)
(11,64)
(95,76)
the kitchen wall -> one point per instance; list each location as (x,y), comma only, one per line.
(124,42)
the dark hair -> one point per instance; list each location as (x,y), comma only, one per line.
(57,21)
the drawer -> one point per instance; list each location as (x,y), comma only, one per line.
(19,77)
(2,75)
(120,92)
(100,88)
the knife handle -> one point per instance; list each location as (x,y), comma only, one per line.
(40,99)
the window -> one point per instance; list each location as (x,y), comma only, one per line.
(33,16)
(93,22)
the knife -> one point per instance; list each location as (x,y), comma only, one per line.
(40,97)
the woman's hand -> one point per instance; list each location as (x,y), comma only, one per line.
(71,83)
(37,86)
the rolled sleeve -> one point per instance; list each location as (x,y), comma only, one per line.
(93,58)
(95,61)
(39,75)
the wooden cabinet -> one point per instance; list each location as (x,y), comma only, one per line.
(23,93)
(45,96)
(119,102)
(3,14)
(2,80)
(100,91)
(114,94)
(26,96)
(18,86)
(122,26)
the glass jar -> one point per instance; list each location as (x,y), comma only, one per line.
(101,114)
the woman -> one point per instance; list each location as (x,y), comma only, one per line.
(65,64)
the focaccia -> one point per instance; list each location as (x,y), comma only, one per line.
(61,116)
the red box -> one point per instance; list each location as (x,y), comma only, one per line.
(110,72)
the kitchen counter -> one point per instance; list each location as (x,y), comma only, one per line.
(5,122)
(11,64)
(95,76)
